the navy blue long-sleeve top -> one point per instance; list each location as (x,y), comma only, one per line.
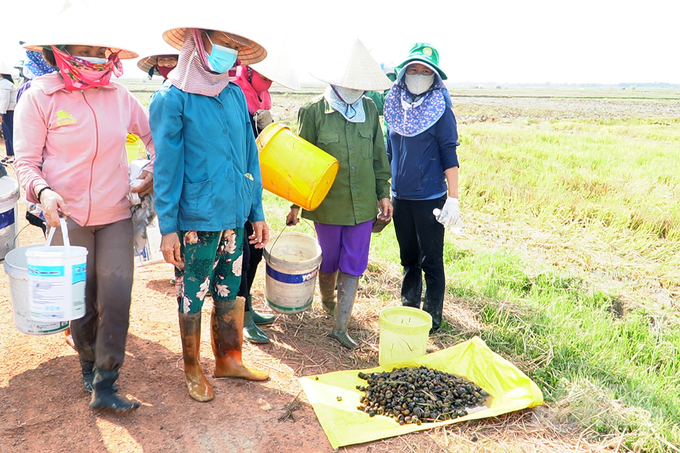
(418,163)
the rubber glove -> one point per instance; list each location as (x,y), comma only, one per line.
(263,118)
(449,214)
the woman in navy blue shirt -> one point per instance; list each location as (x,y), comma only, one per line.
(421,146)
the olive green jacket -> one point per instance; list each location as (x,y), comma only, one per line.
(363,177)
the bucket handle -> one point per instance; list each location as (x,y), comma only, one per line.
(64,234)
(271,249)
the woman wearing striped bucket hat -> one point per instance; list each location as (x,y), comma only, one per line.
(207,185)
(422,135)
(70,143)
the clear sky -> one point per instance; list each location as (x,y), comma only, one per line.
(520,41)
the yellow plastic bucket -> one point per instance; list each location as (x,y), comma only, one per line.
(134,146)
(404,332)
(293,168)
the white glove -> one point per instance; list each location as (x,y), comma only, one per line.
(449,214)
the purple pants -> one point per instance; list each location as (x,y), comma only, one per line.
(344,247)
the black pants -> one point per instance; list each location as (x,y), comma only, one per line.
(251,259)
(421,249)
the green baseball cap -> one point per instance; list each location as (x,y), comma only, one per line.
(425,53)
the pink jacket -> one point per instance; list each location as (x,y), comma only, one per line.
(74,142)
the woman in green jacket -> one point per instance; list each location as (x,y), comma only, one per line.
(345,123)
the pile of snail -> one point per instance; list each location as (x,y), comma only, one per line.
(419,395)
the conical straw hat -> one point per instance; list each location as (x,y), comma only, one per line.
(146,63)
(358,71)
(278,65)
(77,25)
(5,68)
(251,53)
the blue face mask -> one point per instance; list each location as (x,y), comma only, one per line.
(221,59)
(95,60)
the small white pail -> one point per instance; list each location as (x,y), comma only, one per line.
(9,195)
(56,279)
(17,270)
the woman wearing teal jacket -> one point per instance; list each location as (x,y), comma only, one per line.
(208,184)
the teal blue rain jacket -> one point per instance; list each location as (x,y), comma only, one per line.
(207,172)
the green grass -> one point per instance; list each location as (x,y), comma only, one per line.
(573,235)
(589,218)
(567,337)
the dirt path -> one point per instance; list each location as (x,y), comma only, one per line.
(43,407)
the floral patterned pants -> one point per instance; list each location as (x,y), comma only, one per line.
(212,265)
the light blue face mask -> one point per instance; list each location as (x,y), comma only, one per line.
(221,59)
(95,60)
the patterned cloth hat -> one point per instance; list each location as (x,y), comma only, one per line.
(37,65)
(425,53)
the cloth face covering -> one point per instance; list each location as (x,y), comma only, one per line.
(409,114)
(192,74)
(354,112)
(255,88)
(164,70)
(37,65)
(80,74)
(348,95)
(258,82)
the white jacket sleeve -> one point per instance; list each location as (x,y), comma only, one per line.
(4,100)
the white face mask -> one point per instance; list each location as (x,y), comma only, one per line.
(418,83)
(348,95)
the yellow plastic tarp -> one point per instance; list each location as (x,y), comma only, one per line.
(335,398)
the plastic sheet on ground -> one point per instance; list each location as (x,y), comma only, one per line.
(335,398)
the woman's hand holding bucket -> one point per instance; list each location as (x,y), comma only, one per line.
(293,217)
(53,206)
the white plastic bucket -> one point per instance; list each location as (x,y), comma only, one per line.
(9,195)
(292,266)
(16,268)
(56,279)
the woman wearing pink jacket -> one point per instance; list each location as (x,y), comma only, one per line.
(70,134)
